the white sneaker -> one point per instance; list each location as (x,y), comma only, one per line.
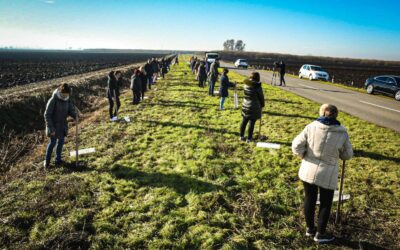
(114,119)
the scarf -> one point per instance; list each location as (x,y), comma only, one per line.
(328,121)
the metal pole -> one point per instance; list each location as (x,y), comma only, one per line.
(76,140)
(340,194)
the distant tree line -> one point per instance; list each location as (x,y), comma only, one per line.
(232,45)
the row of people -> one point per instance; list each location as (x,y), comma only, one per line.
(60,106)
(320,145)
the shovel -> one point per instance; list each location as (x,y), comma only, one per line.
(78,152)
(337,219)
(235,98)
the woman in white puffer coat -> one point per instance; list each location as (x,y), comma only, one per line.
(320,145)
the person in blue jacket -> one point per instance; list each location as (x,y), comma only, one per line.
(225,84)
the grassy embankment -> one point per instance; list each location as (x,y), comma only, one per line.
(178,176)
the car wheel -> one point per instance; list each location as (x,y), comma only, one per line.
(370,89)
(310,77)
(397,95)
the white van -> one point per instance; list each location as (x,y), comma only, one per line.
(211,56)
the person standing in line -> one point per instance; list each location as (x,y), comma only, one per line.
(164,68)
(143,80)
(320,145)
(202,75)
(136,86)
(156,70)
(113,94)
(282,72)
(213,76)
(176,61)
(225,84)
(148,68)
(253,102)
(58,108)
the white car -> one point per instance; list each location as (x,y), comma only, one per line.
(211,56)
(313,72)
(241,63)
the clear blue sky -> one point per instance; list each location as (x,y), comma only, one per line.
(352,28)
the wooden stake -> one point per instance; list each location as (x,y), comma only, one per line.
(340,194)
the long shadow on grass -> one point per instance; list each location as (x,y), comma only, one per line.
(182,104)
(208,129)
(283,101)
(342,242)
(182,184)
(289,115)
(186,90)
(375,156)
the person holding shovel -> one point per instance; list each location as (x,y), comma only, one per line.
(58,108)
(113,94)
(136,86)
(253,102)
(320,145)
(202,75)
(225,84)
(213,74)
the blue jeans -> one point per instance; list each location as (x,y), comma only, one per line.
(211,88)
(50,147)
(221,103)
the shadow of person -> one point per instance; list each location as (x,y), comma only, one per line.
(180,183)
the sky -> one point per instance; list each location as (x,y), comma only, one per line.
(338,28)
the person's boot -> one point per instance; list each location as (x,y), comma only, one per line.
(310,232)
(46,164)
(242,138)
(323,238)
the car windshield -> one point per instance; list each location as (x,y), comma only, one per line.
(242,60)
(212,56)
(317,68)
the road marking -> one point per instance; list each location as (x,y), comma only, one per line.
(308,86)
(372,104)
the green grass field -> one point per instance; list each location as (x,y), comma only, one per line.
(177,177)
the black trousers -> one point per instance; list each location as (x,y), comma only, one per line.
(310,200)
(136,97)
(251,127)
(283,83)
(113,112)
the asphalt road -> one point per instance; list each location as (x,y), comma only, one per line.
(384,112)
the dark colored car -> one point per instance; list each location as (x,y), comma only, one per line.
(389,85)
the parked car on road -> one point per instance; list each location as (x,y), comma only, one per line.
(241,63)
(313,72)
(388,85)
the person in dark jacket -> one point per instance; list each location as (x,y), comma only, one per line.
(176,61)
(164,68)
(225,84)
(136,86)
(149,72)
(156,70)
(113,94)
(213,76)
(282,71)
(202,74)
(143,79)
(58,108)
(253,102)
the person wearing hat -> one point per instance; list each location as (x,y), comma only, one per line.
(58,108)
(320,145)
(223,88)
(253,102)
